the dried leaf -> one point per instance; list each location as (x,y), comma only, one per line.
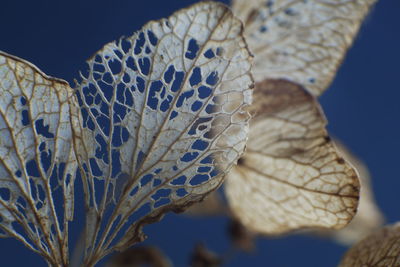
(368,217)
(291,176)
(37,162)
(140,256)
(381,248)
(303,41)
(163,119)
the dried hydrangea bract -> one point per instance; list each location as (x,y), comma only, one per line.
(37,162)
(163,119)
(368,217)
(303,41)
(291,176)
(292,170)
(379,249)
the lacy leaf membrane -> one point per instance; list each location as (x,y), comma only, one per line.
(162,120)
(37,162)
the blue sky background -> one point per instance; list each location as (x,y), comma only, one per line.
(362,107)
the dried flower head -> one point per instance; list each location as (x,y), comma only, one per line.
(155,122)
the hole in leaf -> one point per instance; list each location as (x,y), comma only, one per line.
(189,156)
(140,84)
(168,75)
(213,78)
(106,89)
(207,160)
(126,45)
(25,118)
(179,181)
(152,38)
(126,78)
(146,179)
(115,66)
(199,179)
(192,49)
(173,115)
(166,104)
(130,63)
(183,97)
(139,43)
(161,193)
(152,100)
(162,202)
(197,124)
(144,65)
(32,168)
(98,68)
(45,159)
(195,78)
(181,192)
(5,193)
(204,92)
(101,149)
(200,145)
(108,78)
(139,213)
(156,182)
(116,163)
(94,167)
(23,100)
(134,191)
(196,105)
(176,85)
(203,169)
(209,53)
(32,185)
(41,193)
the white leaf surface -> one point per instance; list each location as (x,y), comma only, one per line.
(37,163)
(291,176)
(303,41)
(163,119)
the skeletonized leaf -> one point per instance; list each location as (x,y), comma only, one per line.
(303,41)
(291,176)
(163,119)
(380,249)
(37,163)
(368,217)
